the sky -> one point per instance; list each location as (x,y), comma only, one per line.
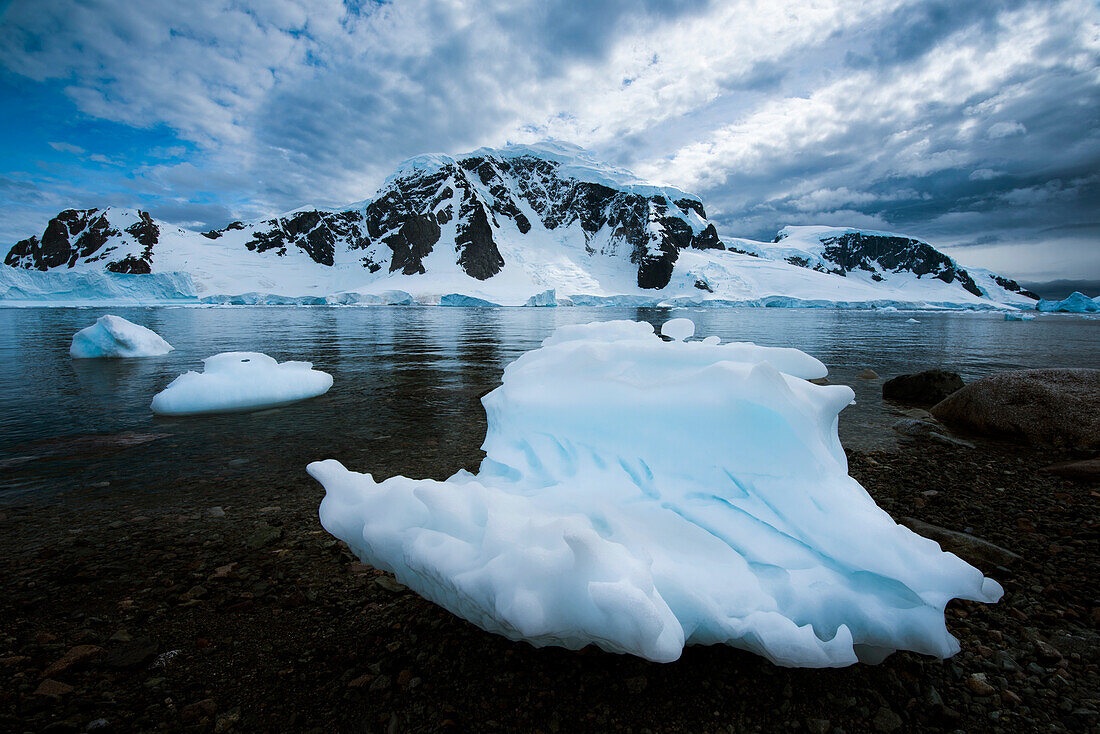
(974,125)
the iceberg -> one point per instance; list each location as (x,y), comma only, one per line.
(1077,302)
(1019,316)
(461,300)
(238,381)
(642,495)
(545,298)
(114,336)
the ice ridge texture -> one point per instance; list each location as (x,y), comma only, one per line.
(114,336)
(239,381)
(642,495)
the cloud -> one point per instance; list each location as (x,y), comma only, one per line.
(1006,129)
(947,120)
(67,148)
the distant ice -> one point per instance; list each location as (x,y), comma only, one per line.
(545,298)
(114,336)
(1077,302)
(641,495)
(459,299)
(911,321)
(237,381)
(1019,316)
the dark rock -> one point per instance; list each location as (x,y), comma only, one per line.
(50,687)
(978,685)
(262,536)
(477,252)
(75,656)
(965,546)
(196,711)
(1043,407)
(869,252)
(1087,470)
(886,720)
(916,428)
(922,388)
(132,656)
(412,243)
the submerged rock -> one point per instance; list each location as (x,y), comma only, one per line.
(922,388)
(1043,406)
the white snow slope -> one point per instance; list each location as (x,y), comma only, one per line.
(642,495)
(552,233)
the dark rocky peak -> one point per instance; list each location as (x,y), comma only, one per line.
(89,235)
(1010,285)
(317,233)
(876,251)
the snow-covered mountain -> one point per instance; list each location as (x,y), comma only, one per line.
(496,225)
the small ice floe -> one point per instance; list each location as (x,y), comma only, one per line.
(911,321)
(643,495)
(1019,316)
(239,381)
(114,336)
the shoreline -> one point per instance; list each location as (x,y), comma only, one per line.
(229,608)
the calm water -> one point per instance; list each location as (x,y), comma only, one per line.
(407,386)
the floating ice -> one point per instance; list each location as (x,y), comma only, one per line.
(1077,302)
(236,381)
(1019,316)
(911,321)
(678,329)
(114,336)
(641,495)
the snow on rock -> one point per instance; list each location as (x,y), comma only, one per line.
(642,495)
(1077,302)
(114,336)
(238,381)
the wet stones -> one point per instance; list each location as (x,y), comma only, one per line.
(922,388)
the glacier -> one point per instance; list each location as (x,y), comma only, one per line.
(240,381)
(114,336)
(641,495)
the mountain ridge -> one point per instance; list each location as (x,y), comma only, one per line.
(504,225)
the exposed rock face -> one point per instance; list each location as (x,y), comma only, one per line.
(879,252)
(922,388)
(314,232)
(1045,407)
(88,235)
(482,194)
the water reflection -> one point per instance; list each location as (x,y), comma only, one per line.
(408,383)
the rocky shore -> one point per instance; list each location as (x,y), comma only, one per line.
(192,611)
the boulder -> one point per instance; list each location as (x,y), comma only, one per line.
(1087,470)
(1048,407)
(967,547)
(923,388)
